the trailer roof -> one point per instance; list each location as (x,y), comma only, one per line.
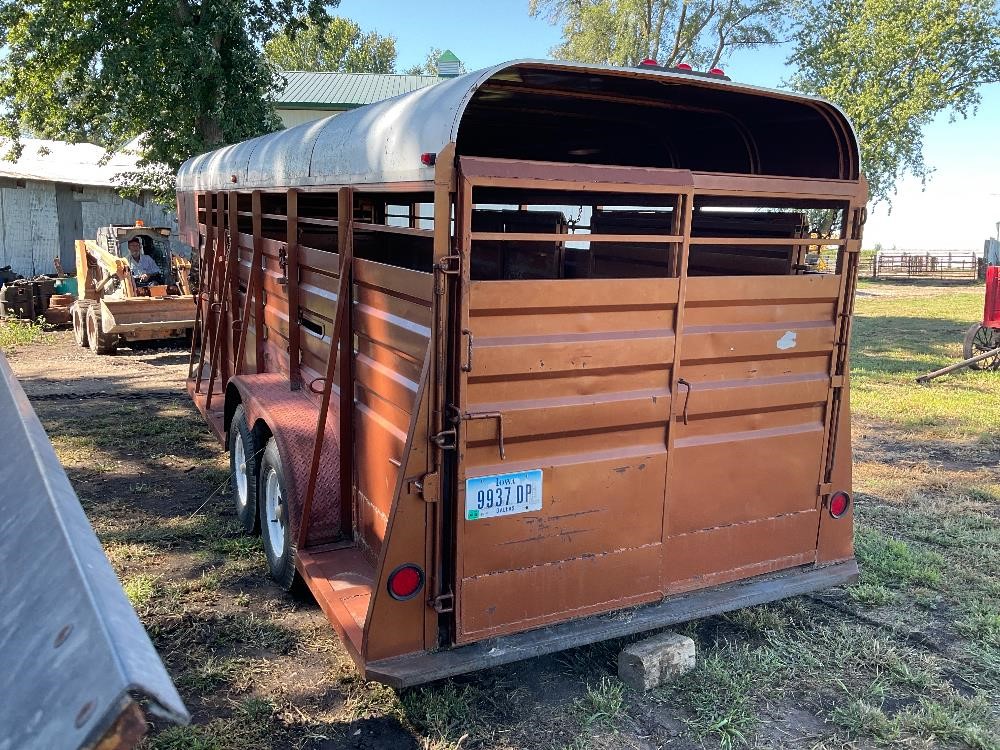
(549,111)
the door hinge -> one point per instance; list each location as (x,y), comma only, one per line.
(429,486)
(444,603)
(837,381)
(824,489)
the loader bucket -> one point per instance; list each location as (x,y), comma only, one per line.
(147,314)
(75,655)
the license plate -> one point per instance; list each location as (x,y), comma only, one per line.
(503,494)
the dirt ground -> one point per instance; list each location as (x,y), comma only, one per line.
(908,657)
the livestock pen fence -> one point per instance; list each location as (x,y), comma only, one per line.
(925,265)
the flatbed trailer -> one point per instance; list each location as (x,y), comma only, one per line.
(533,357)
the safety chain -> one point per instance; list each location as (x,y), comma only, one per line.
(71,396)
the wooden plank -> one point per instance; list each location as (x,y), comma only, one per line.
(387,229)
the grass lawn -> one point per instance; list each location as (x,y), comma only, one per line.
(908,657)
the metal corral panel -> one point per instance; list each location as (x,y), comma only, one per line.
(383,142)
(71,645)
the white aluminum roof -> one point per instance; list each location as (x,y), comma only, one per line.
(383,142)
(74,163)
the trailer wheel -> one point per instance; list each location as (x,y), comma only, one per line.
(100,342)
(979,339)
(244,460)
(275,525)
(79,325)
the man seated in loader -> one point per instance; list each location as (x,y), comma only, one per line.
(144,268)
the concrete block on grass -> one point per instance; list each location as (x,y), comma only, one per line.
(656,660)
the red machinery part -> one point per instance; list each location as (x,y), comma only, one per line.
(991,309)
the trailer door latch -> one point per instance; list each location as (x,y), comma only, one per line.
(429,486)
(444,603)
(446,440)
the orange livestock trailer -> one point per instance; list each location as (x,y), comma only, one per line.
(498,359)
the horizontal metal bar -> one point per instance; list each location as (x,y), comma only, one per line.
(812,241)
(72,648)
(421,667)
(386,229)
(648,239)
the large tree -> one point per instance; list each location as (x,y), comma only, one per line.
(625,32)
(336,44)
(894,65)
(187,74)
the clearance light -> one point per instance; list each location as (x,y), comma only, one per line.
(140,223)
(428,159)
(717,72)
(683,66)
(405,582)
(649,62)
(839,503)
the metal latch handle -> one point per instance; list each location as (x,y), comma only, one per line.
(687,398)
(467,367)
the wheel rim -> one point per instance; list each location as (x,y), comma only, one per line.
(239,458)
(274,508)
(91,333)
(985,340)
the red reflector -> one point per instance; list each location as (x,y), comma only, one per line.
(405,582)
(839,503)
(683,66)
(717,72)
(649,61)
(428,159)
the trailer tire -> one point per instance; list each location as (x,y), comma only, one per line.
(80,325)
(244,461)
(275,523)
(99,341)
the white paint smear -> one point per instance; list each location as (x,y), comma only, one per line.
(787,341)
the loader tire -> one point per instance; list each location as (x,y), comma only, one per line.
(275,520)
(244,462)
(100,342)
(79,314)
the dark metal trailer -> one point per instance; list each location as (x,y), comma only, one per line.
(501,358)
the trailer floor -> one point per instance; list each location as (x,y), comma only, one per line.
(908,657)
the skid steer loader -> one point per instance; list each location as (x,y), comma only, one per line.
(113,307)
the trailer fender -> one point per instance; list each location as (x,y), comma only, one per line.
(290,417)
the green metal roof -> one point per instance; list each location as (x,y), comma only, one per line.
(448,56)
(306,90)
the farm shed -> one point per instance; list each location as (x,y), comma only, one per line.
(58,192)
(308,96)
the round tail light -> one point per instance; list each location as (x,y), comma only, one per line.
(405,582)
(840,502)
(683,66)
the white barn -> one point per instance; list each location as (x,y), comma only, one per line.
(60,192)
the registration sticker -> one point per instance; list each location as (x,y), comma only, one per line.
(503,494)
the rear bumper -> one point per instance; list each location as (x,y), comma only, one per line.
(414,669)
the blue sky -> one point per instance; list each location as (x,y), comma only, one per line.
(957,209)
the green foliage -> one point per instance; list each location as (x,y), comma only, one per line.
(15,333)
(625,32)
(186,74)
(335,44)
(893,65)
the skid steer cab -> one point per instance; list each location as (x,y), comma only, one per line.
(131,288)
